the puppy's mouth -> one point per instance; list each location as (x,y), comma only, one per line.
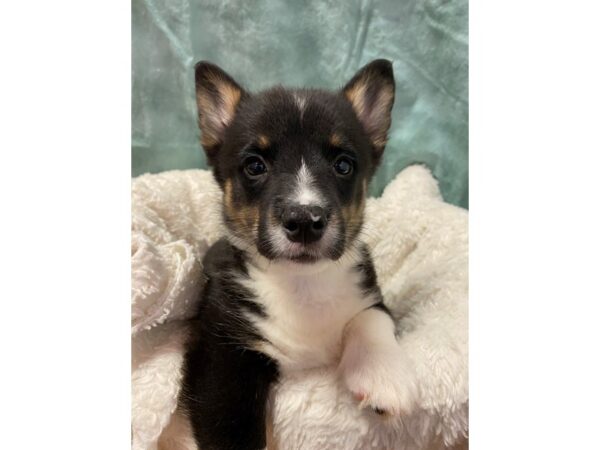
(275,245)
(305,258)
(304,254)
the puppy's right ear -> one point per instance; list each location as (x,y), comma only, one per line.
(217,96)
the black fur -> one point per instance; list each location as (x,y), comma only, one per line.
(226,382)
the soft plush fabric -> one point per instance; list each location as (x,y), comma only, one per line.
(419,246)
(318,43)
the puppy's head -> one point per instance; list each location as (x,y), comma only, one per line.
(294,164)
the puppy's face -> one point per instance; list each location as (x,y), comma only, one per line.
(294,164)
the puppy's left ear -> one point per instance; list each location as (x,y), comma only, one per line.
(371,93)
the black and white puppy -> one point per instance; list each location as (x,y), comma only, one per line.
(292,287)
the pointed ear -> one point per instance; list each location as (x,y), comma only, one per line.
(217,96)
(371,93)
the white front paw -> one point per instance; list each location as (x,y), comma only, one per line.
(380,377)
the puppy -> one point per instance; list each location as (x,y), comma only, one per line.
(291,287)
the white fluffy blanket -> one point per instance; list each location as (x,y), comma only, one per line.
(419,246)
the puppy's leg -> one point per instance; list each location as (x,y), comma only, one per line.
(225,397)
(372,365)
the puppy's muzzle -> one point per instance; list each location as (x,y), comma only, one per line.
(304,224)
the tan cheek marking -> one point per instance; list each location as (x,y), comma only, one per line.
(263,142)
(230,210)
(353,213)
(228,195)
(246,217)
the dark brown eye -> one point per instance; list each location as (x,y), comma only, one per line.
(254,167)
(343,166)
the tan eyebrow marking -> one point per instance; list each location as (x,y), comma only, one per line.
(336,140)
(263,142)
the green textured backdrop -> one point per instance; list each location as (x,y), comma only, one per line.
(318,43)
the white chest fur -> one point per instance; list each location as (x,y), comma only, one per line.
(307,308)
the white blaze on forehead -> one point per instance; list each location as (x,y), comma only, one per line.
(305,192)
(300,101)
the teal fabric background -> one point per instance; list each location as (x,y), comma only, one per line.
(317,43)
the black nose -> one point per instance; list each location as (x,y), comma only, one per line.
(304,224)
